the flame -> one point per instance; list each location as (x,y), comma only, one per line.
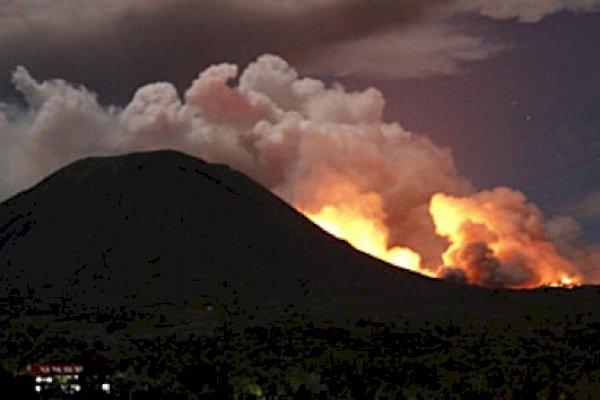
(365,235)
(358,218)
(566,281)
(498,239)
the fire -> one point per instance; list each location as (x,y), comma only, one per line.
(565,281)
(497,239)
(358,218)
(365,235)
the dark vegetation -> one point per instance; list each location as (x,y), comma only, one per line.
(549,358)
(191,281)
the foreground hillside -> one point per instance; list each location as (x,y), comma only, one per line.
(170,267)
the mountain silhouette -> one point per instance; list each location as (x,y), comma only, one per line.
(190,278)
(164,228)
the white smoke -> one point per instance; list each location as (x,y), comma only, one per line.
(295,135)
(290,133)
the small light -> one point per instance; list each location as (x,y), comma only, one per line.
(38,388)
(106,387)
(38,379)
(48,379)
(76,388)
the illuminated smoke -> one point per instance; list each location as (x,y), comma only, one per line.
(498,239)
(323,149)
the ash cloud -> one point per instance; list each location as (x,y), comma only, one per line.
(297,136)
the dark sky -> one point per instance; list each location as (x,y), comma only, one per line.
(529,118)
(513,89)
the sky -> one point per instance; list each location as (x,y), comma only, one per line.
(509,89)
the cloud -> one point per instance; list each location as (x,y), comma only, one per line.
(115,46)
(432,45)
(316,146)
(415,52)
(586,208)
(295,135)
(526,11)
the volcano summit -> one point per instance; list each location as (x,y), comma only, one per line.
(164,226)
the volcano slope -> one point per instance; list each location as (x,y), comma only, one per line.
(107,251)
(164,227)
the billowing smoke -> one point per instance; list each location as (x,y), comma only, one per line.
(498,239)
(323,149)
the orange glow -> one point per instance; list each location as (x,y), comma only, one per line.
(496,238)
(511,234)
(365,235)
(359,220)
(565,281)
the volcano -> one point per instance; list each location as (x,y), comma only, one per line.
(188,277)
(179,237)
(166,227)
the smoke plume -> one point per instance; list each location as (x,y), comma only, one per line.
(325,150)
(498,239)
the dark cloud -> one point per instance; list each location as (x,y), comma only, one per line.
(526,11)
(115,47)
